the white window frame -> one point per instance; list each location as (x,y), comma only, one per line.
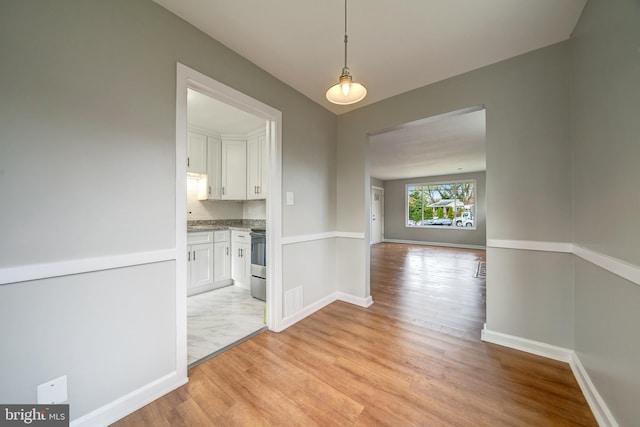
(440,227)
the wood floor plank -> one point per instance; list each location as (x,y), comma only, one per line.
(413,358)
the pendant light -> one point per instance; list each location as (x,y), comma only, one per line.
(346,92)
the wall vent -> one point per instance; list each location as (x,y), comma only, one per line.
(292,301)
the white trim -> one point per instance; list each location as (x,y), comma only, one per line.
(349,235)
(125,405)
(320,304)
(601,412)
(48,270)
(289,240)
(535,347)
(443,244)
(188,77)
(359,301)
(618,267)
(531,245)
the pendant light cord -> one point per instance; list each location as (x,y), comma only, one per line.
(346,38)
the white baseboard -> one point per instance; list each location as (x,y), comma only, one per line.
(596,403)
(446,245)
(534,347)
(131,402)
(359,301)
(598,406)
(310,309)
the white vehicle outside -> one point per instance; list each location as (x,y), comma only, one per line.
(464,220)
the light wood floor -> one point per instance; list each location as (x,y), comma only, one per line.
(413,358)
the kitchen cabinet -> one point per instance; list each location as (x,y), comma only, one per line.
(256,166)
(241,258)
(221,257)
(234,169)
(214,169)
(196,153)
(199,262)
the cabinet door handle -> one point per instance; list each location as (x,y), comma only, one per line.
(188,162)
(209,189)
(194,255)
(227,250)
(223,191)
(189,256)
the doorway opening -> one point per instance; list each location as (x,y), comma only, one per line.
(221,215)
(433,173)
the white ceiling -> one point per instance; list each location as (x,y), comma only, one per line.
(394,47)
(447,144)
(206,113)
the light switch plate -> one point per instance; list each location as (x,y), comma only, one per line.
(290,200)
(53,392)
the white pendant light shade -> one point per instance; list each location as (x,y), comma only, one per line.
(346,92)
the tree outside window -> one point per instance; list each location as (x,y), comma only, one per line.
(448,204)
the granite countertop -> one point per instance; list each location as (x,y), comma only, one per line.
(225,224)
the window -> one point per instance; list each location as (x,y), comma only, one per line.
(444,205)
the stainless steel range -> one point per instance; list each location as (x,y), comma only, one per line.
(259,263)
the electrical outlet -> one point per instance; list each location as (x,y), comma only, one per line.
(53,392)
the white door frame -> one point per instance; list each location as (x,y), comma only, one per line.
(189,78)
(374,188)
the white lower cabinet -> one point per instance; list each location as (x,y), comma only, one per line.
(221,257)
(241,258)
(200,262)
(209,261)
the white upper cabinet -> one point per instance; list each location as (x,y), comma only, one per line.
(214,169)
(235,165)
(234,170)
(256,166)
(196,153)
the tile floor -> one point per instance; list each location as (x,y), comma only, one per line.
(218,318)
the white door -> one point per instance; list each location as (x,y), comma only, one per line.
(377,214)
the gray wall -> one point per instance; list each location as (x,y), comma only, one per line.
(87,166)
(606,134)
(395,210)
(377,182)
(528,177)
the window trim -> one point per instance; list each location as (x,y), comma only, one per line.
(438,227)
